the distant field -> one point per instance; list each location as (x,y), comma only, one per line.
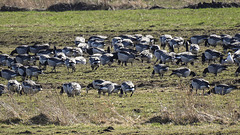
(159,106)
(136,4)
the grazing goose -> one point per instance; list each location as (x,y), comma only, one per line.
(22,49)
(8,74)
(183,72)
(83,46)
(3,59)
(22,71)
(54,62)
(214,69)
(186,57)
(127,43)
(70,63)
(222,89)
(146,56)
(167,57)
(3,89)
(96,84)
(153,48)
(43,61)
(116,40)
(213,40)
(107,58)
(127,86)
(95,50)
(194,48)
(14,86)
(25,59)
(72,89)
(10,61)
(160,69)
(72,52)
(125,57)
(80,60)
(33,71)
(30,87)
(210,55)
(141,47)
(106,88)
(38,47)
(199,84)
(158,54)
(164,39)
(94,61)
(79,40)
(176,42)
(198,39)
(15,66)
(237,36)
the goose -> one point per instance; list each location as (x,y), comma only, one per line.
(116,40)
(30,87)
(108,88)
(153,48)
(117,47)
(194,48)
(96,84)
(43,61)
(164,39)
(108,58)
(214,68)
(54,62)
(127,86)
(15,66)
(3,89)
(125,57)
(8,74)
(131,37)
(3,59)
(141,47)
(127,43)
(83,46)
(198,39)
(38,47)
(72,52)
(80,60)
(167,57)
(22,71)
(70,63)
(146,55)
(222,89)
(72,89)
(79,40)
(213,40)
(33,71)
(96,43)
(25,59)
(95,50)
(160,69)
(199,84)
(183,72)
(10,61)
(94,61)
(186,57)
(158,54)
(22,49)
(237,36)
(176,42)
(210,55)
(14,86)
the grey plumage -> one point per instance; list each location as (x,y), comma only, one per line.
(214,69)
(127,86)
(160,69)
(183,72)
(72,89)
(14,86)
(199,84)
(8,74)
(222,89)
(30,87)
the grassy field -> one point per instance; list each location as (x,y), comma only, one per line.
(159,106)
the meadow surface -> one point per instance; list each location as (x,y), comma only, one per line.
(159,105)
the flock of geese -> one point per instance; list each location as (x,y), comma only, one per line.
(22,61)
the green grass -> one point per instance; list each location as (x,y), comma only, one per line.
(159,105)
